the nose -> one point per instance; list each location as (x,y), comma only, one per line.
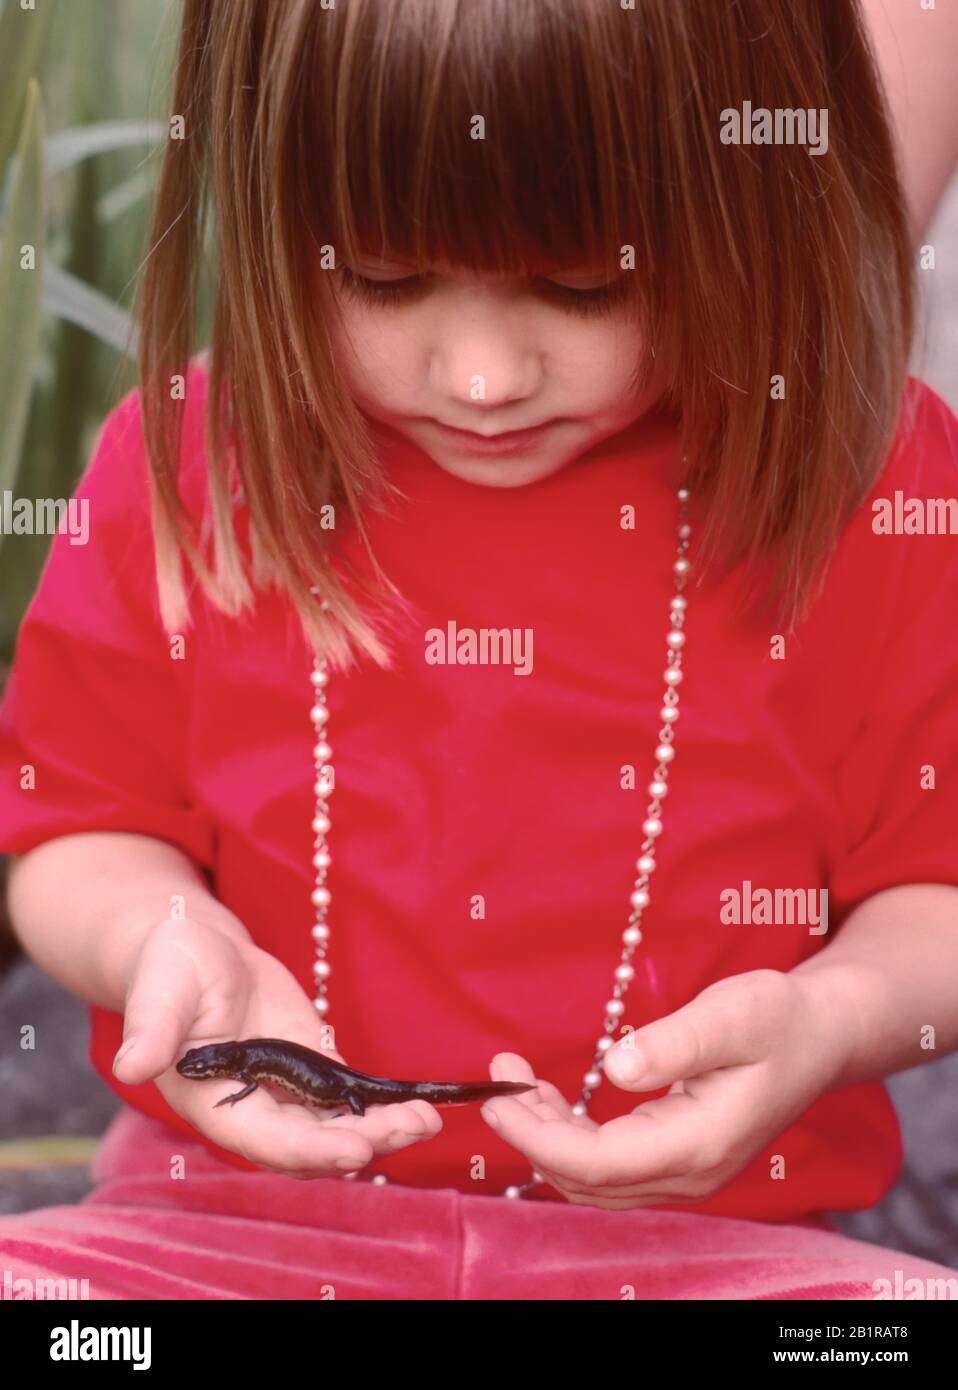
(482,356)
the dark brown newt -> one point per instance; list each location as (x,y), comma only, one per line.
(315,1079)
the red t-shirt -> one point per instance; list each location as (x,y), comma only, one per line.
(794,770)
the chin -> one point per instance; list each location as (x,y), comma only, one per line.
(514,472)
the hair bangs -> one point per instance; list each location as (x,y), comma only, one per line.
(486,136)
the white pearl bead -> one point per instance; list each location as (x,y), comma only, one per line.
(646,864)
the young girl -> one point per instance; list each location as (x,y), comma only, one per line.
(533,680)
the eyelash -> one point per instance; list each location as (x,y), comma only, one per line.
(385,292)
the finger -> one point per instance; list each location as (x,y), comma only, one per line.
(549,1102)
(619,1197)
(660,1189)
(389,1128)
(509,1066)
(611,1203)
(648,1144)
(284,1137)
(160,1008)
(301,1176)
(717,1029)
(546,1101)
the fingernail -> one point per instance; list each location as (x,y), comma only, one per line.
(130,1043)
(491,1116)
(400,1138)
(629,1064)
(347,1165)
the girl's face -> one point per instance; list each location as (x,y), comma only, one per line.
(500,380)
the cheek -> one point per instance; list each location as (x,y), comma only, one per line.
(601,355)
(371,350)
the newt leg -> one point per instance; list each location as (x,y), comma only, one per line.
(238,1095)
(354,1103)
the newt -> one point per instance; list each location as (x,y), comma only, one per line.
(317,1080)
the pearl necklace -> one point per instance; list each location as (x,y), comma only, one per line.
(645,864)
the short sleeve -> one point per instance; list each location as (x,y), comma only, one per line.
(94,719)
(898,778)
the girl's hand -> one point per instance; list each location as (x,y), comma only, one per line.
(193,985)
(744,1059)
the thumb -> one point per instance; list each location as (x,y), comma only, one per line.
(161,1006)
(711,1031)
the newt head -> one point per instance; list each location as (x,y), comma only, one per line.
(215,1059)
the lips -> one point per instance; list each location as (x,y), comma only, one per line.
(473,445)
(503,437)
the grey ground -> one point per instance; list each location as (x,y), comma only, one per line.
(59,1093)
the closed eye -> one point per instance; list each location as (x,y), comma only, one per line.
(379,291)
(601,299)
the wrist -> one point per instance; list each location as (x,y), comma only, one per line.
(837,1023)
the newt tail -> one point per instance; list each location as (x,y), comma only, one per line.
(317,1080)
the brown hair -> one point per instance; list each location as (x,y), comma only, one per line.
(311,126)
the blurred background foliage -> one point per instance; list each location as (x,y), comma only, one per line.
(84,106)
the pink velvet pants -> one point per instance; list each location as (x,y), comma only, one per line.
(224,1233)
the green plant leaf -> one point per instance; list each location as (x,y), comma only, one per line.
(65,148)
(69,298)
(20,290)
(117,201)
(23,34)
(68,147)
